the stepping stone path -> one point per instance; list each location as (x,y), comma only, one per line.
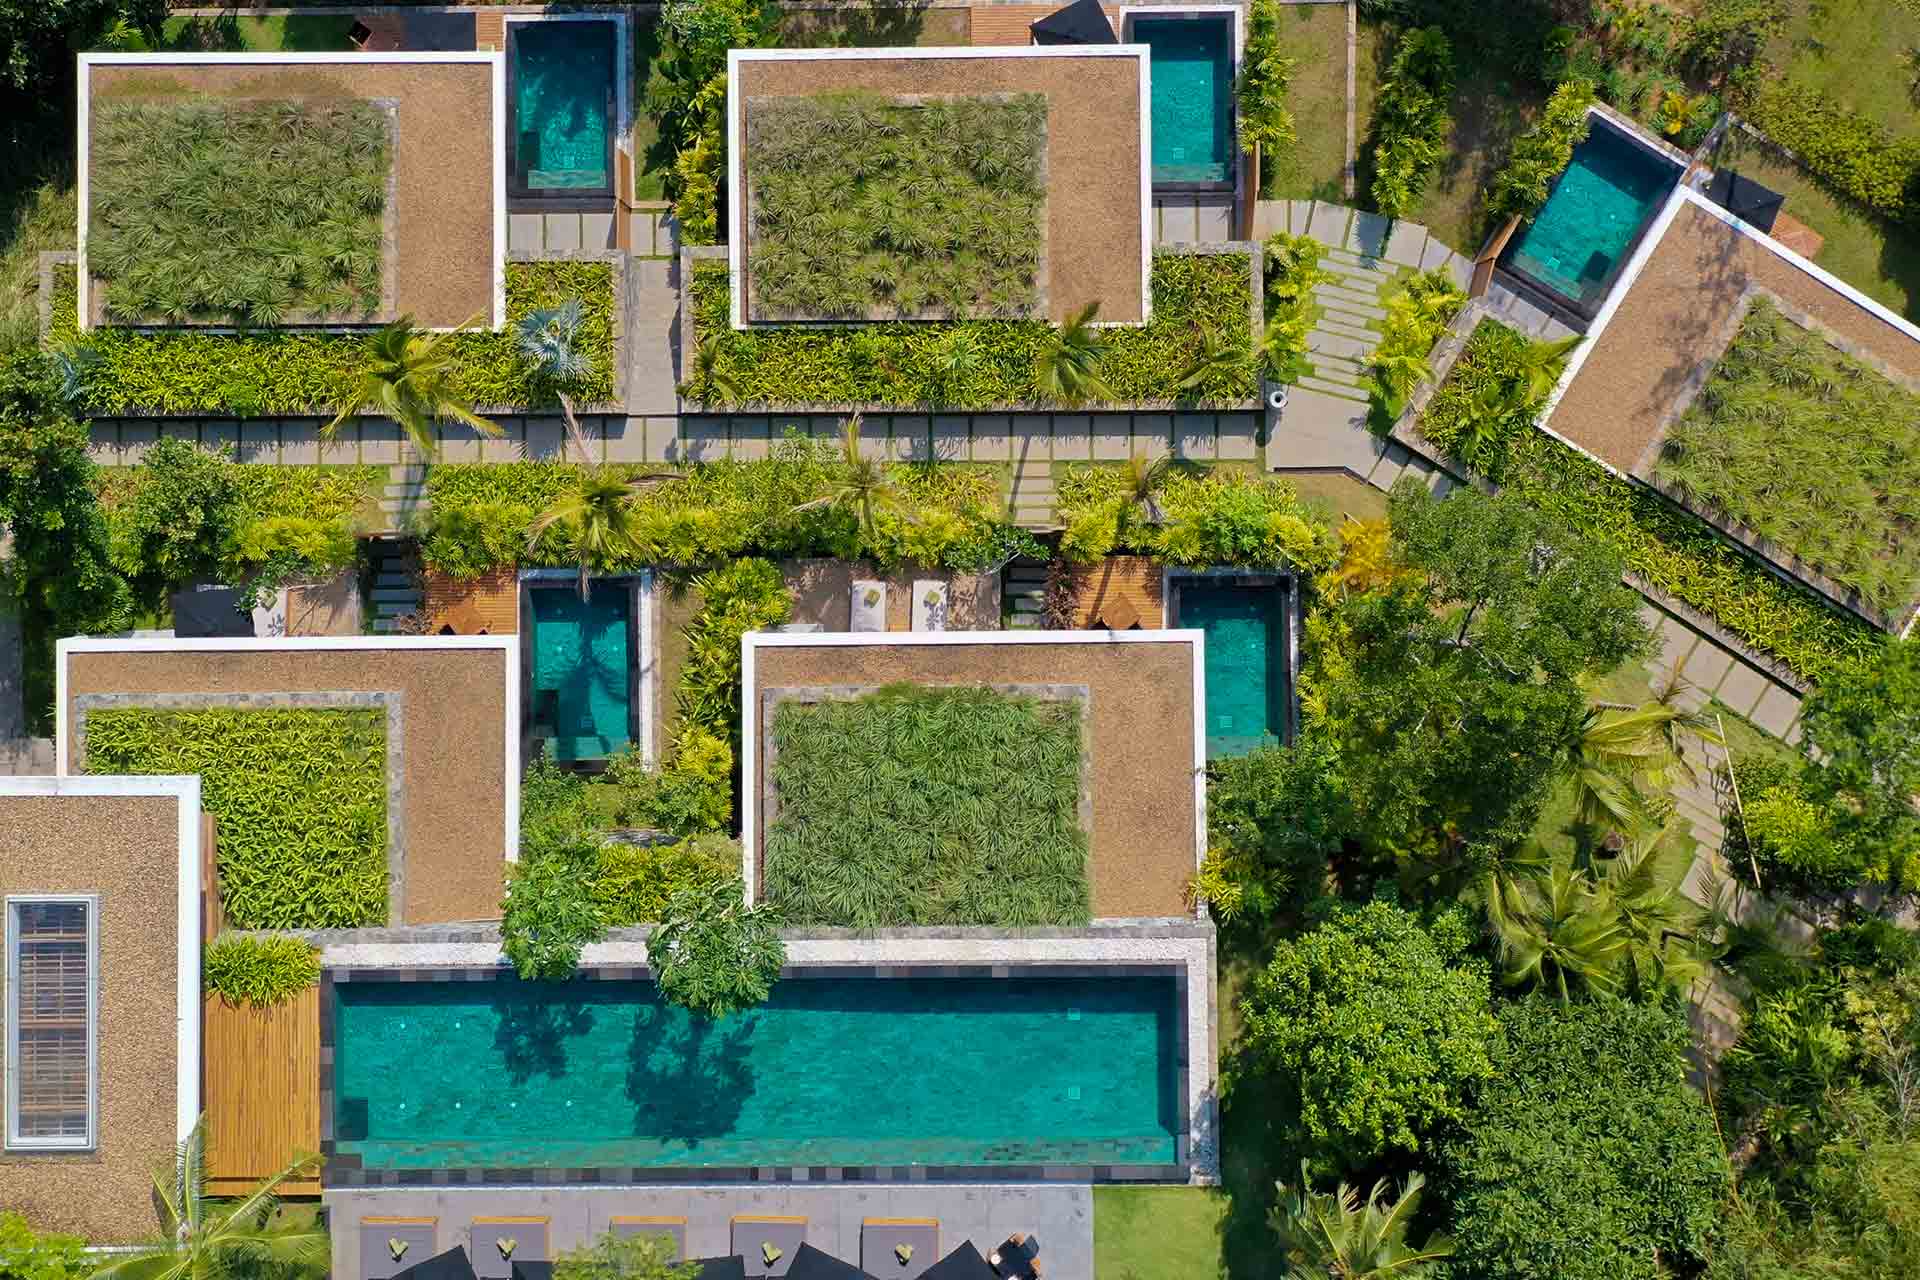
(404,500)
(1030,503)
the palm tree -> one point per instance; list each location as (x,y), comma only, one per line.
(1213,359)
(597,514)
(1621,750)
(202,1240)
(1540,364)
(713,384)
(863,487)
(1334,1237)
(1141,480)
(1664,929)
(550,341)
(1567,935)
(1069,369)
(410,378)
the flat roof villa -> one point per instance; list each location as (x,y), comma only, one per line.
(1764,395)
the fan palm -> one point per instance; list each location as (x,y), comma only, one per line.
(1069,367)
(550,341)
(598,518)
(410,377)
(863,486)
(1333,1236)
(202,1240)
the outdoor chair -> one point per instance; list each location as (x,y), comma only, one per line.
(1018,1257)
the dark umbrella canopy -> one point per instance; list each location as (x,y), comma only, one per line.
(730,1267)
(964,1263)
(1745,199)
(810,1263)
(451,1265)
(1082,22)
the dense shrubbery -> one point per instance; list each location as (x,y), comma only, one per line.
(300,795)
(979,364)
(29,1255)
(1674,552)
(632,884)
(686,93)
(1211,518)
(1850,153)
(1380,1021)
(928,806)
(1417,314)
(1411,120)
(945,516)
(1266,120)
(260,971)
(1293,268)
(1541,153)
(747,595)
(1586,1156)
(864,206)
(263,373)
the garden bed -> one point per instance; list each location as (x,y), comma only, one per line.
(273,372)
(918,207)
(922,806)
(907,365)
(259,213)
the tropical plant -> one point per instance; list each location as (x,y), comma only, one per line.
(887,803)
(634,882)
(1333,1236)
(1209,518)
(549,912)
(746,595)
(179,522)
(1260,95)
(1215,358)
(1379,1023)
(410,377)
(1621,751)
(204,1239)
(1418,312)
(1540,154)
(1142,480)
(27,1255)
(1411,120)
(640,1255)
(862,486)
(1069,361)
(1566,937)
(550,339)
(596,518)
(260,971)
(713,382)
(714,954)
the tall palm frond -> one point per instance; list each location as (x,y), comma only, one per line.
(1069,363)
(598,518)
(549,340)
(1333,1234)
(411,376)
(1568,937)
(863,486)
(1142,479)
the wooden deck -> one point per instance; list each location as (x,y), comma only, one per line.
(1013,23)
(486,605)
(262,1087)
(1122,592)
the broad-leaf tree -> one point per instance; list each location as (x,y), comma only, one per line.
(410,377)
(642,1255)
(713,954)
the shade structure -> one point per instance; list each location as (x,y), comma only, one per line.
(1745,199)
(451,1265)
(964,1263)
(210,611)
(810,1263)
(533,1271)
(1082,22)
(730,1267)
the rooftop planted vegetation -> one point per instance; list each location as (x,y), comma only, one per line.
(258,213)
(866,207)
(1197,349)
(1810,449)
(1184,515)
(300,796)
(915,806)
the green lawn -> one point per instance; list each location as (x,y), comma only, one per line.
(650,165)
(1315,36)
(1853,51)
(1876,257)
(297,33)
(1337,494)
(1158,1233)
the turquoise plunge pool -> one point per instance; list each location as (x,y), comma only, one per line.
(561,81)
(1577,245)
(583,669)
(1192,108)
(1246,660)
(835,1071)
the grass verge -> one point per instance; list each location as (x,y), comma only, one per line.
(1158,1233)
(1315,36)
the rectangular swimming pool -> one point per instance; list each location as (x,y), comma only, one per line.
(1579,242)
(599,1073)
(562,82)
(1191,69)
(1247,650)
(583,669)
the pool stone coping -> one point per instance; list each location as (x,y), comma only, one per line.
(1176,947)
(390,701)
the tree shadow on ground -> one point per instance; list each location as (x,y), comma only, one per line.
(687,1079)
(533,1030)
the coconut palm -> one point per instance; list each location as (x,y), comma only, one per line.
(1333,1236)
(1664,929)
(863,486)
(598,517)
(1566,936)
(1621,751)
(1213,360)
(409,377)
(550,341)
(1069,366)
(203,1240)
(1141,480)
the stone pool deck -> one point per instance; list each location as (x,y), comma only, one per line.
(1059,1214)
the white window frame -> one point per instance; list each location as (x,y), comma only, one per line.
(8,1014)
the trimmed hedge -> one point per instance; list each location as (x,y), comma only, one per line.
(1850,153)
(300,797)
(1675,552)
(949,516)
(900,365)
(270,372)
(259,971)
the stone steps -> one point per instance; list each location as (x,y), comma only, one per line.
(1026,590)
(394,594)
(1339,390)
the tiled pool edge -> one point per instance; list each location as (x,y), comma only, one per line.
(1178,947)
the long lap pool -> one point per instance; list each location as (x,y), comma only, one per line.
(600,1073)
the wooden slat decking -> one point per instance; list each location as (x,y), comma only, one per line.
(1013,23)
(262,1078)
(489,603)
(1126,587)
(489,30)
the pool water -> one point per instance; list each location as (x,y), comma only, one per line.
(1192,110)
(1246,645)
(581,659)
(1580,240)
(563,95)
(830,1071)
